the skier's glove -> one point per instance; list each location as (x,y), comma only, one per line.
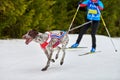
(96,4)
(79,2)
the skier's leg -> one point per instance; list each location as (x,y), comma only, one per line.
(82,31)
(95,25)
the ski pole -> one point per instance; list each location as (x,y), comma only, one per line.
(107,30)
(74,17)
(108,33)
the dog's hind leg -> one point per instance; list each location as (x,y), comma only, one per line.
(63,56)
(56,57)
(48,62)
(63,49)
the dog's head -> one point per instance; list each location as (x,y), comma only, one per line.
(29,36)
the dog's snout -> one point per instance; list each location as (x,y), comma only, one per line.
(23,36)
(26,36)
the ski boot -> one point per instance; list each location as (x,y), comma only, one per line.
(75,45)
(92,50)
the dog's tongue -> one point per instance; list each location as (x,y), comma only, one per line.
(28,41)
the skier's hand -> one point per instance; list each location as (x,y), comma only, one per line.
(79,2)
(96,4)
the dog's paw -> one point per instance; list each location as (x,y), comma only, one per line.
(61,63)
(56,57)
(52,60)
(43,69)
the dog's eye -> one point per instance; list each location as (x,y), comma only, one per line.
(39,40)
(41,36)
(27,36)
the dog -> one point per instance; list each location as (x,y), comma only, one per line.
(48,42)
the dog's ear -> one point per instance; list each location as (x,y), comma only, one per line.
(33,33)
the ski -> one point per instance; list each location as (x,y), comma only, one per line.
(89,53)
(75,48)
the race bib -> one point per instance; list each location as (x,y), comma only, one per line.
(92,11)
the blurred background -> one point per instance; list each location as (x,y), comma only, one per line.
(19,16)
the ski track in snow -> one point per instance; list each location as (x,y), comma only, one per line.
(24,62)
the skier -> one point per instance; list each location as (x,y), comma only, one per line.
(93,14)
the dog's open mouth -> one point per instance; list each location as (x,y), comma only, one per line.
(28,39)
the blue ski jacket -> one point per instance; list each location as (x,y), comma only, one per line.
(93,11)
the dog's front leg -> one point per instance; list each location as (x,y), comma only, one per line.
(46,53)
(48,62)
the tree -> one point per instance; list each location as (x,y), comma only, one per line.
(111,17)
(11,11)
(18,16)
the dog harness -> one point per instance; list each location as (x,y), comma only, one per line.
(58,37)
(44,44)
(51,36)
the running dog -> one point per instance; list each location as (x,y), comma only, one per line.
(48,41)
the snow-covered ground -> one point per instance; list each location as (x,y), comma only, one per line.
(24,62)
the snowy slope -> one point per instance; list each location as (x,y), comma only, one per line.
(24,62)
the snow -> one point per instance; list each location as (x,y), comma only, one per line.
(24,62)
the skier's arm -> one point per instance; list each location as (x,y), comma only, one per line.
(84,4)
(100,5)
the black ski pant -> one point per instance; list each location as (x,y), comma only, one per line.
(94,26)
